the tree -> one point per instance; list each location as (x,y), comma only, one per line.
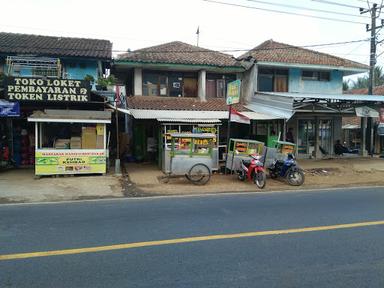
(346,84)
(362,82)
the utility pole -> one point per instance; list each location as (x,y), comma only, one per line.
(367,134)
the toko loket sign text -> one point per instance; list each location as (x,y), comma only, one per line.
(38,89)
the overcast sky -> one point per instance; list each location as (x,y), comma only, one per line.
(137,24)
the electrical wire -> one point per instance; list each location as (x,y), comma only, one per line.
(284,12)
(337,4)
(306,8)
(3,47)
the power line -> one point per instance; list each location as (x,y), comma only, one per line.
(337,4)
(285,12)
(306,8)
(202,50)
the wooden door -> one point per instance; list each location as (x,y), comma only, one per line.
(211,88)
(281,83)
(220,88)
(190,87)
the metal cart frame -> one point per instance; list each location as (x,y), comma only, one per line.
(195,161)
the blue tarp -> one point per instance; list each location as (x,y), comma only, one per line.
(9,109)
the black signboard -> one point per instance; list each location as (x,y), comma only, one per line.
(38,89)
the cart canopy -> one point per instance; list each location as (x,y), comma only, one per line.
(71,116)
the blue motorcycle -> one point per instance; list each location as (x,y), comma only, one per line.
(287,169)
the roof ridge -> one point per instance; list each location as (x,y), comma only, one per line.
(316,52)
(50,36)
(310,57)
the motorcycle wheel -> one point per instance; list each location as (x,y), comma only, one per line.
(259,179)
(295,177)
(272,175)
(241,175)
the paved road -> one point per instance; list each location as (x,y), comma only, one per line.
(352,257)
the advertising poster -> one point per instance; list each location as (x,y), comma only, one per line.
(70,162)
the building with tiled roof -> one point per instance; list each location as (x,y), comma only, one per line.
(30,55)
(179,53)
(270,52)
(53,46)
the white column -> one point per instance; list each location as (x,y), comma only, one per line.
(201,92)
(138,82)
(363,137)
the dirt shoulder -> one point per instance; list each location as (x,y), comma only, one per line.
(145,179)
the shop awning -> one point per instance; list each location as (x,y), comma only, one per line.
(322,96)
(274,106)
(177,114)
(71,116)
(284,104)
(184,120)
(192,115)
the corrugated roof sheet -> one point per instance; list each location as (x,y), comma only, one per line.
(346,97)
(177,114)
(186,120)
(71,114)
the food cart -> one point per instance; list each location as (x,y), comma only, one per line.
(240,149)
(280,151)
(191,156)
(187,128)
(70,141)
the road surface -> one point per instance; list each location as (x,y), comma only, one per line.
(323,238)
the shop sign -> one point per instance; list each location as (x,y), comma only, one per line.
(69,162)
(38,89)
(366,111)
(233,92)
(9,109)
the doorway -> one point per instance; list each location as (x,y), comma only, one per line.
(306,137)
(325,136)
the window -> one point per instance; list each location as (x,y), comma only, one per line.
(272,80)
(155,84)
(316,75)
(216,84)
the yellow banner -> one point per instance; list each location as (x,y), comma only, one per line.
(52,162)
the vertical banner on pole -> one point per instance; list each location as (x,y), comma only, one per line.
(233,97)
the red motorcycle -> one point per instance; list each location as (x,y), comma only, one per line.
(253,170)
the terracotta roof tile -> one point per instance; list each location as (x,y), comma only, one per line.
(179,103)
(271,51)
(378,90)
(12,43)
(180,53)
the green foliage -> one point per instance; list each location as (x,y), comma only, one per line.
(363,82)
(89,78)
(104,82)
(346,85)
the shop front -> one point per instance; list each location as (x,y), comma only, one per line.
(50,139)
(313,121)
(8,111)
(70,141)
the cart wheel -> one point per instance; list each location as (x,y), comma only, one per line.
(199,174)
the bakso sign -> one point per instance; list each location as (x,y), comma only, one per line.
(37,89)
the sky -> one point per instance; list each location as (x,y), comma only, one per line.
(231,29)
